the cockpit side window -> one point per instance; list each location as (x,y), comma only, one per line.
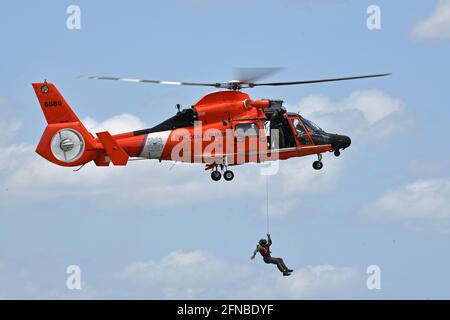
(311,126)
(316,133)
(301,132)
(298,126)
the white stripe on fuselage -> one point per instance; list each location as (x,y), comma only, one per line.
(155,144)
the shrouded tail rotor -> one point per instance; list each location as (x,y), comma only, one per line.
(67,145)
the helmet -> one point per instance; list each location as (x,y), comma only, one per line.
(263,242)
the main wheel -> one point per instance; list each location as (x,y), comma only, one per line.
(337,153)
(317,165)
(228,175)
(216,175)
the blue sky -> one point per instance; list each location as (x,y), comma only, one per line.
(148,231)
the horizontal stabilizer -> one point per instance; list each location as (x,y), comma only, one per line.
(114,151)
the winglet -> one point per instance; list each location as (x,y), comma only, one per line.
(114,151)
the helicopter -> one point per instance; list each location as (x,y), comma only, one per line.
(224,128)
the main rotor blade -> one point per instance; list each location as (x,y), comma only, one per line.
(176,83)
(317,81)
(237,84)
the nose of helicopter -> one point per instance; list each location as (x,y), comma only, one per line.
(339,142)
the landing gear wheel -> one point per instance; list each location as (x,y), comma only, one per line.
(317,165)
(216,175)
(337,153)
(228,175)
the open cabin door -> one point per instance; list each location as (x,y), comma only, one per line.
(247,139)
(286,137)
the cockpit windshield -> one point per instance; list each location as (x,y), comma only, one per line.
(311,126)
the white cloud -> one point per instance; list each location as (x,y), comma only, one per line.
(363,115)
(197,274)
(185,274)
(373,105)
(116,124)
(189,275)
(297,180)
(437,26)
(323,281)
(8,129)
(421,204)
(9,125)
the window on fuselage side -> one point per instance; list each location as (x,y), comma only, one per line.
(246,130)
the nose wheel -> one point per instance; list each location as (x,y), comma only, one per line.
(317,165)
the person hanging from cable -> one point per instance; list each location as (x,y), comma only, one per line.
(263,247)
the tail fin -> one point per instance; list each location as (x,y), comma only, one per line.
(65,141)
(53,104)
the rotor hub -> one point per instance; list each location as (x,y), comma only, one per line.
(234,85)
(66,145)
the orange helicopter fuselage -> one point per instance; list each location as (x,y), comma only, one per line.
(222,128)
